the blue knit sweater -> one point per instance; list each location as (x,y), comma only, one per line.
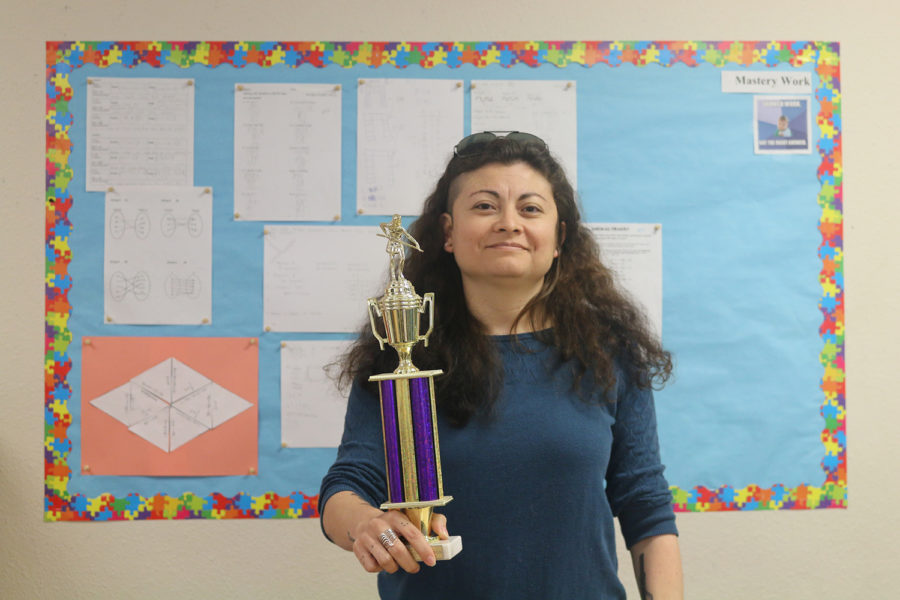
(535,488)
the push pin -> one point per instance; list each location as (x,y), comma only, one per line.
(253,470)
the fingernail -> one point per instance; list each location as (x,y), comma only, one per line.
(430,561)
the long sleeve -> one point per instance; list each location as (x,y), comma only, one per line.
(530,482)
(637,490)
(359,466)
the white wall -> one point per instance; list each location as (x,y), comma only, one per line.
(796,555)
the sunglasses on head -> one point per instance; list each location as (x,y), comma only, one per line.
(471,144)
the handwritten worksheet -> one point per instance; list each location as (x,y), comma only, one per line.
(158,255)
(634,253)
(287,151)
(140,131)
(546,109)
(312,406)
(319,278)
(406,130)
(170,404)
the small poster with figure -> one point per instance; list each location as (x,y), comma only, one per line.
(781,125)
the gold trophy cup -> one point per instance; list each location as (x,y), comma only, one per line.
(408,416)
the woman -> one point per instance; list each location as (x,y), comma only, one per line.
(545,410)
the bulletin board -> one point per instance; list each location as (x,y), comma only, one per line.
(753,302)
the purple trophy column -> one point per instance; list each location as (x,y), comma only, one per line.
(423,430)
(391,441)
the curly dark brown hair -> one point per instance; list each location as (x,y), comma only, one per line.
(594,324)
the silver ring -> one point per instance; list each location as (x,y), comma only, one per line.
(387,537)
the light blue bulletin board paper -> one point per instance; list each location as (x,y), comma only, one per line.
(661,143)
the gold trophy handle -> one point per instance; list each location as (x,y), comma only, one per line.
(373,311)
(427,299)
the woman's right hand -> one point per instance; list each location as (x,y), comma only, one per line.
(389,554)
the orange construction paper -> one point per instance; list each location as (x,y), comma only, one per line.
(109,448)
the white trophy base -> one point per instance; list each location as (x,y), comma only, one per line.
(443,549)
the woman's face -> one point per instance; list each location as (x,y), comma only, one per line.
(502,224)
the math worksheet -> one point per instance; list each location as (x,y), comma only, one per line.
(406,130)
(287,151)
(139,132)
(158,255)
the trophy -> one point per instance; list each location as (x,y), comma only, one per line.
(408,417)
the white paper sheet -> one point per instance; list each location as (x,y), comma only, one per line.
(140,131)
(634,252)
(158,255)
(170,404)
(766,82)
(287,151)
(319,278)
(312,406)
(546,109)
(406,130)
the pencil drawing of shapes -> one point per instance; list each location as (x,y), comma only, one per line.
(140,285)
(117,224)
(130,403)
(168,429)
(183,286)
(170,404)
(211,406)
(168,225)
(142,224)
(172,379)
(195,224)
(120,285)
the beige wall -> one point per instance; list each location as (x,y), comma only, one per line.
(811,554)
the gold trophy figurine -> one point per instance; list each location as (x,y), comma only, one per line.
(408,416)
